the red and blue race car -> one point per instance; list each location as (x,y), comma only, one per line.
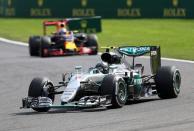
(62,41)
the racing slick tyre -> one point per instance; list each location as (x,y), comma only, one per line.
(115,87)
(45,44)
(92,42)
(41,87)
(168,82)
(34,45)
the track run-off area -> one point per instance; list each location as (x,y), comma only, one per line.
(17,69)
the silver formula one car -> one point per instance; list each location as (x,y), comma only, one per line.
(109,84)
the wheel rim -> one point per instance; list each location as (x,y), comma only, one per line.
(122,92)
(177,81)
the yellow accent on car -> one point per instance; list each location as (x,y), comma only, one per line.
(71,46)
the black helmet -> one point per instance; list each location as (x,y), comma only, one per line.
(102,68)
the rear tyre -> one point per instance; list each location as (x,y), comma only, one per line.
(116,88)
(45,44)
(92,42)
(34,45)
(168,82)
(41,87)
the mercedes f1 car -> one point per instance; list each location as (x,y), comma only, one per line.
(62,42)
(110,83)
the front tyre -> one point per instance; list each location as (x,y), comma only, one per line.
(34,45)
(115,87)
(41,87)
(44,46)
(168,82)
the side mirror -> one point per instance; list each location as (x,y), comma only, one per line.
(106,57)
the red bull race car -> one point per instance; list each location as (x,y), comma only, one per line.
(62,41)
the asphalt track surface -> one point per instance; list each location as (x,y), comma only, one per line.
(17,69)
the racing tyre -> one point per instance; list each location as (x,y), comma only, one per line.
(41,87)
(116,88)
(168,82)
(34,45)
(92,42)
(45,44)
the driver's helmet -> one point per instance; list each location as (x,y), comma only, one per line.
(102,67)
(62,31)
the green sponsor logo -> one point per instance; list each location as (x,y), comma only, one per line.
(137,81)
(135,50)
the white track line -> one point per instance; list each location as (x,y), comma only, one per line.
(171,59)
(13,42)
(178,60)
(25,44)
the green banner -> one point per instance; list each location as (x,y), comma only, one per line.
(104,8)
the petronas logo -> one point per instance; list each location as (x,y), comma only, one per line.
(9,2)
(175,2)
(129,2)
(40,2)
(84,2)
(84,23)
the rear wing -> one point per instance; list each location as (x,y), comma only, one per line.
(135,51)
(85,25)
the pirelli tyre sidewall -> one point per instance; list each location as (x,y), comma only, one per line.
(116,87)
(34,45)
(41,87)
(168,82)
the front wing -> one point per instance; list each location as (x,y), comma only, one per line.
(61,52)
(85,102)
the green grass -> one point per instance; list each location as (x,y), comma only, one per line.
(175,36)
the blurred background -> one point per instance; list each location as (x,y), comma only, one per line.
(168,23)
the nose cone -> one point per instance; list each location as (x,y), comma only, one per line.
(70,91)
